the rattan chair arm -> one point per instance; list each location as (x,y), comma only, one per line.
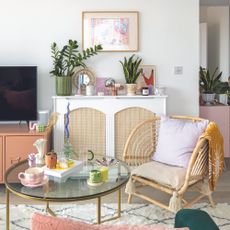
(197,167)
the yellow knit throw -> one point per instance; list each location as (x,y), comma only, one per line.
(215,154)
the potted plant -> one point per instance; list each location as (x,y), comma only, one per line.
(65,61)
(131,71)
(209,84)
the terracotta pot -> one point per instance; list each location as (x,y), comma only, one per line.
(51,160)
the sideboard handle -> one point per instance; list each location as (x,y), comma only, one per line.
(15,160)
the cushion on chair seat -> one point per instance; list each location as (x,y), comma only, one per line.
(171,176)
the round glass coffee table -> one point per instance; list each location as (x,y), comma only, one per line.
(73,187)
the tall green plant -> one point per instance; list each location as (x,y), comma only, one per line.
(209,83)
(66,59)
(131,68)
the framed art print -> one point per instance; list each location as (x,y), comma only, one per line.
(114,30)
(147,77)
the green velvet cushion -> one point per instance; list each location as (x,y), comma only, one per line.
(195,220)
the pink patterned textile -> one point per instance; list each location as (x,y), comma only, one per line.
(41,222)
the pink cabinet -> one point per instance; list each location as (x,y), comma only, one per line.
(220,114)
(1,159)
(15,144)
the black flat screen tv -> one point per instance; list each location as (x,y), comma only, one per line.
(18,93)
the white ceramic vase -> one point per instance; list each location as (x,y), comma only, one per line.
(40,145)
(131,89)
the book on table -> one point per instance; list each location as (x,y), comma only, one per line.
(62,172)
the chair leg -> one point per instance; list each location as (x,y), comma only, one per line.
(211,200)
(130,198)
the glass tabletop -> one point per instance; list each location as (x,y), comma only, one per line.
(71,187)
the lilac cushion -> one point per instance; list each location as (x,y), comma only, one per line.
(177,140)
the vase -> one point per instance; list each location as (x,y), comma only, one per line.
(40,146)
(63,86)
(131,89)
(51,160)
(208,98)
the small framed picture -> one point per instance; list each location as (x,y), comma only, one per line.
(114,30)
(147,78)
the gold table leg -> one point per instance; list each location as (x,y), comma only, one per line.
(7,209)
(119,204)
(48,209)
(118,210)
(98,210)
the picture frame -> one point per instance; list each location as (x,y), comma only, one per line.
(147,78)
(114,30)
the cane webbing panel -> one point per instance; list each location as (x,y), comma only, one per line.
(87,131)
(125,121)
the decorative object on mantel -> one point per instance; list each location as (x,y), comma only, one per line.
(100,86)
(210,85)
(68,148)
(147,78)
(65,61)
(132,72)
(83,78)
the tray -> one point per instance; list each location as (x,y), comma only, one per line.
(77,166)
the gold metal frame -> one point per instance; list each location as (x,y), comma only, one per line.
(48,200)
(111,12)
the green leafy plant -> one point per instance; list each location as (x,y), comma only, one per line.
(210,83)
(131,68)
(66,59)
(222,88)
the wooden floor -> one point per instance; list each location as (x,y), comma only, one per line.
(221,195)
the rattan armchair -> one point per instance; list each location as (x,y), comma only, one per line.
(139,150)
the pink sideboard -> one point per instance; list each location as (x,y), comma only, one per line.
(221,115)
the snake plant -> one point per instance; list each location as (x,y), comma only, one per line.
(131,68)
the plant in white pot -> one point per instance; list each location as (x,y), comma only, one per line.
(132,72)
(209,84)
(65,61)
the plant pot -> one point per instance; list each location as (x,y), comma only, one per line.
(208,98)
(131,89)
(51,160)
(63,86)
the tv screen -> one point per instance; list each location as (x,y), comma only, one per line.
(18,93)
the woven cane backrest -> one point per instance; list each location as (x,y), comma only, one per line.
(142,142)
(125,121)
(87,131)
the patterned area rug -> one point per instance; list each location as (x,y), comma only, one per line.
(131,214)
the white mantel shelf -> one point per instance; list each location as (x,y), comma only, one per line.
(109,97)
(109,105)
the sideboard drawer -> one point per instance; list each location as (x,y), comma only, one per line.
(1,159)
(18,148)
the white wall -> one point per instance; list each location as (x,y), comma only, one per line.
(169,36)
(217,18)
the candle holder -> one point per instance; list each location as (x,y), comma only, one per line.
(68,150)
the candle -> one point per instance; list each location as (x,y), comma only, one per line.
(67,123)
(104,173)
